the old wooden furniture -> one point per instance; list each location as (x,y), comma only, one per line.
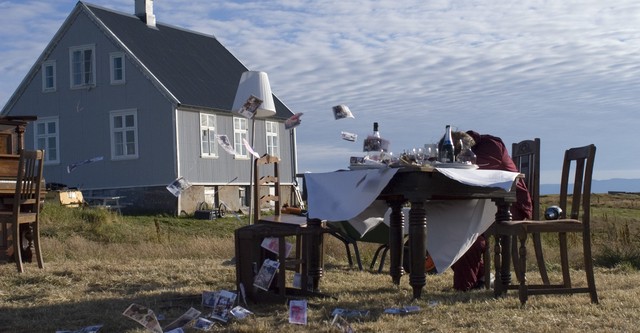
(307,235)
(12,133)
(23,208)
(250,256)
(575,218)
(526,156)
(415,185)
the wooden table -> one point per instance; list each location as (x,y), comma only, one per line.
(107,202)
(415,185)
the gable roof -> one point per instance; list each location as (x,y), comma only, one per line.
(193,69)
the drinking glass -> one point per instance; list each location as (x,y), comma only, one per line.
(431,152)
(420,156)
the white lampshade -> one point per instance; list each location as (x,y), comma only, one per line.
(255,83)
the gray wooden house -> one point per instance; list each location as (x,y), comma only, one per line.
(149,99)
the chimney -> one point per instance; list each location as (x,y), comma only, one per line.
(144,10)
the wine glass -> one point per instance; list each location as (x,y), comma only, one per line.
(420,157)
(431,152)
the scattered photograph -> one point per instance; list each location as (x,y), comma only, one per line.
(209,298)
(223,141)
(223,305)
(297,280)
(183,320)
(88,329)
(403,310)
(250,149)
(341,324)
(350,313)
(342,111)
(203,324)
(144,316)
(349,136)
(243,293)
(266,274)
(298,312)
(178,186)
(240,313)
(293,121)
(273,245)
(249,107)
(73,166)
(175,330)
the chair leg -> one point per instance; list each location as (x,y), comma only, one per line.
(537,245)
(564,260)
(497,262)
(348,250)
(17,247)
(522,267)
(356,251)
(382,258)
(375,256)
(514,256)
(36,244)
(588,268)
(486,259)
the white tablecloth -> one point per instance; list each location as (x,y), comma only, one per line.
(452,225)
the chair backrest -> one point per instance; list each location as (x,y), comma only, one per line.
(28,183)
(261,164)
(580,160)
(526,156)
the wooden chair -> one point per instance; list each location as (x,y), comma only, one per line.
(347,234)
(308,233)
(575,218)
(25,206)
(526,156)
(268,180)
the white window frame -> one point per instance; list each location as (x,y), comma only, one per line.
(272,138)
(124,131)
(208,143)
(114,70)
(240,131)
(46,139)
(88,79)
(45,77)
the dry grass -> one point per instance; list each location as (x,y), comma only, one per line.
(89,281)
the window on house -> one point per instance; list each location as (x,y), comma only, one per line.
(124,134)
(239,133)
(83,71)
(208,146)
(117,67)
(47,138)
(273,144)
(49,76)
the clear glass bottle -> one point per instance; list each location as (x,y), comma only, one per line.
(447,152)
(466,155)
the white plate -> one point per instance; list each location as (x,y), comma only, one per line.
(456,165)
(366,166)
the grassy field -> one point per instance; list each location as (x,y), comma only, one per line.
(98,263)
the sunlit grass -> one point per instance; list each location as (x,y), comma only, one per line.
(97,263)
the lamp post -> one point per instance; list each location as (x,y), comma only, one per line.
(253,100)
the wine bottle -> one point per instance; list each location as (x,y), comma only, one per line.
(447,153)
(373,142)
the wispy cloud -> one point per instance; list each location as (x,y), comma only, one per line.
(564,71)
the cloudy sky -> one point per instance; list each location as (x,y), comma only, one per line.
(567,71)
